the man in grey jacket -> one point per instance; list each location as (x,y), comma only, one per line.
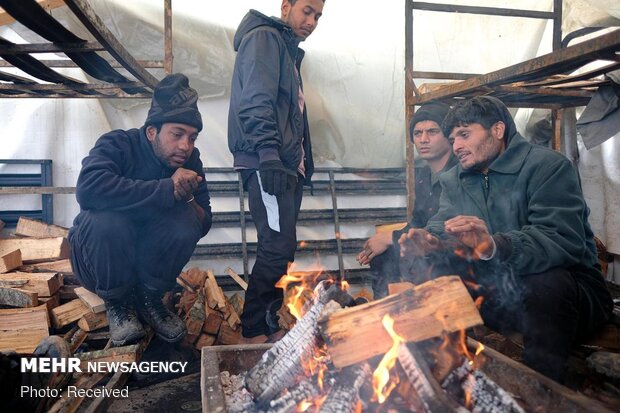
(269,138)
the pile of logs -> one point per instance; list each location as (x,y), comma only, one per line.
(355,341)
(211,317)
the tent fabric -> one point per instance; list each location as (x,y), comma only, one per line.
(353,77)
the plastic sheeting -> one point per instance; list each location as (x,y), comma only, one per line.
(353,73)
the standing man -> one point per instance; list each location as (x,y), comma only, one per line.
(269,138)
(144,205)
(518,212)
(381,250)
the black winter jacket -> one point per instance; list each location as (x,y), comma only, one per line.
(264,120)
(122,173)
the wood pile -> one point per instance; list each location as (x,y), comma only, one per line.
(211,317)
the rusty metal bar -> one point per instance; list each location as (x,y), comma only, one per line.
(69,87)
(491,11)
(332,186)
(575,78)
(93,23)
(556,123)
(50,48)
(557,25)
(544,91)
(69,95)
(168,56)
(409,110)
(151,64)
(442,75)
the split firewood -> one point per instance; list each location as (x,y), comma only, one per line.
(233,319)
(213,321)
(127,354)
(93,321)
(280,366)
(185,284)
(187,300)
(226,335)
(205,340)
(195,318)
(68,313)
(344,394)
(60,266)
(286,321)
(67,292)
(237,303)
(37,249)
(50,302)
(484,394)
(32,228)
(429,392)
(16,297)
(44,284)
(194,277)
(237,278)
(10,260)
(90,299)
(213,293)
(22,329)
(78,338)
(356,334)
(305,390)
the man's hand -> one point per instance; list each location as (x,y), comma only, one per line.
(273,177)
(376,245)
(417,243)
(185,183)
(472,231)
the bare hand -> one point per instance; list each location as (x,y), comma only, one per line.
(375,245)
(471,231)
(185,183)
(417,243)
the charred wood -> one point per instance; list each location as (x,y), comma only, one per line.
(344,394)
(307,389)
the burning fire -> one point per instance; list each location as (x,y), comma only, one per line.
(381,382)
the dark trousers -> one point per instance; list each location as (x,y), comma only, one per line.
(276,248)
(384,270)
(553,310)
(111,251)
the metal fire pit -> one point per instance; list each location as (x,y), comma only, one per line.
(535,390)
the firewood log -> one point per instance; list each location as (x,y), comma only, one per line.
(280,367)
(344,395)
(306,389)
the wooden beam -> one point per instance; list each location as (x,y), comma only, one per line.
(356,334)
(560,61)
(487,11)
(6,18)
(32,228)
(90,299)
(37,249)
(237,278)
(60,266)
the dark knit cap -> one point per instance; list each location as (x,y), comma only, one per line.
(435,111)
(174,101)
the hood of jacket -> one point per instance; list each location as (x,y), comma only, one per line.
(254,19)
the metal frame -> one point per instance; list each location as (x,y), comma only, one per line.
(534,83)
(17,182)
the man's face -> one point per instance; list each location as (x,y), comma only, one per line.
(477,147)
(430,141)
(174,143)
(303,16)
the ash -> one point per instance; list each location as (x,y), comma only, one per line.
(238,398)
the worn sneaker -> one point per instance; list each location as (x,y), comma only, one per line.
(125,328)
(167,325)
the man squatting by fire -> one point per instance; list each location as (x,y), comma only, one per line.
(381,250)
(144,205)
(269,138)
(516,211)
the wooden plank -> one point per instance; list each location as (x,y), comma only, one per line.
(10,261)
(44,284)
(22,329)
(16,297)
(213,292)
(237,278)
(356,334)
(92,300)
(60,266)
(37,249)
(50,302)
(397,288)
(93,321)
(32,228)
(68,313)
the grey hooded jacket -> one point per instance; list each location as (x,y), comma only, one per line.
(264,119)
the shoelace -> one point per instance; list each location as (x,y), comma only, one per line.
(156,305)
(124,312)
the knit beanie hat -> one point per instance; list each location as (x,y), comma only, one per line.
(174,101)
(435,111)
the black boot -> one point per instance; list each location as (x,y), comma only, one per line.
(167,325)
(125,328)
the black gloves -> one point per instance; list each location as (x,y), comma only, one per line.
(273,177)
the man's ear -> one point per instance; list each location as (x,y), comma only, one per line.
(151,133)
(498,129)
(285,8)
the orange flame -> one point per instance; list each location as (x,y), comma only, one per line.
(298,287)
(381,382)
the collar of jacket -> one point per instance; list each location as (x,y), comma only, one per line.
(292,41)
(147,147)
(511,160)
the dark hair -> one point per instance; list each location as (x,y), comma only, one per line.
(295,1)
(475,110)
(157,126)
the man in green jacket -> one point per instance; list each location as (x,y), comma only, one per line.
(516,212)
